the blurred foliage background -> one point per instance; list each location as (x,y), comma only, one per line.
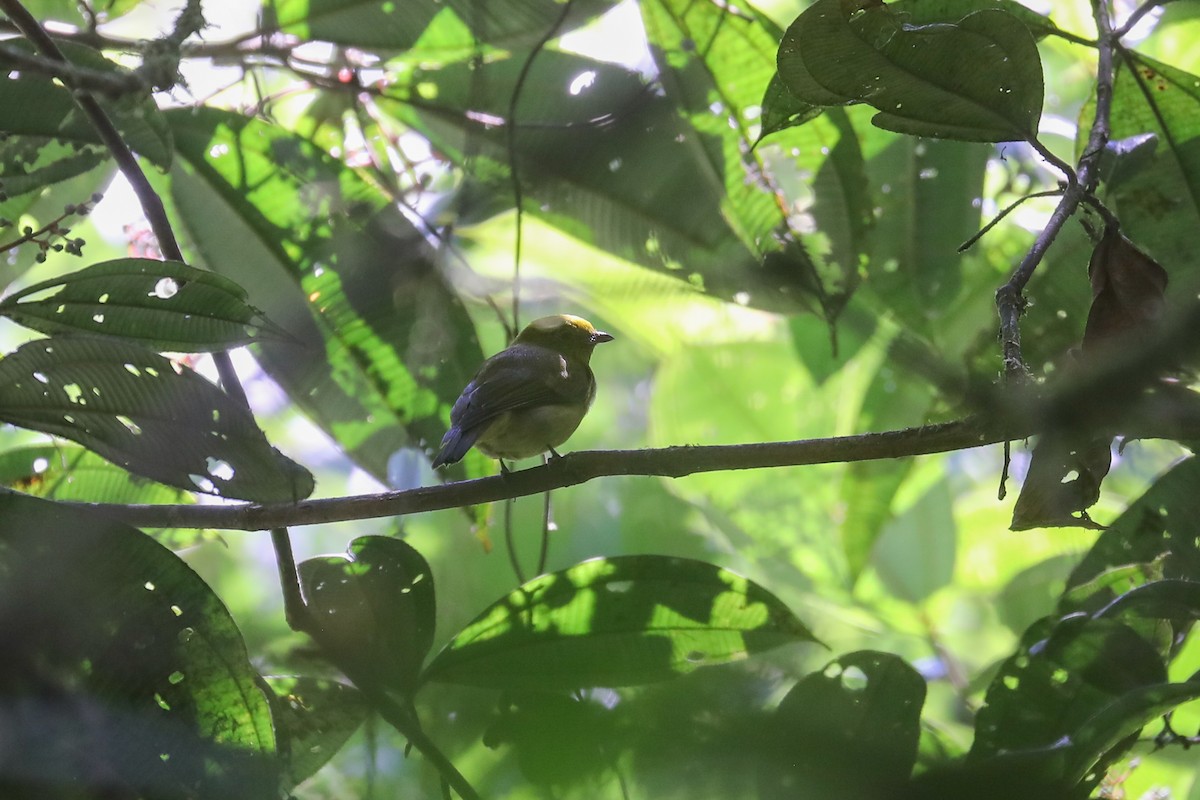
(356,168)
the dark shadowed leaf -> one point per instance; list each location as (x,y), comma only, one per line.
(1062,483)
(781,109)
(1064,673)
(147,414)
(849,731)
(616,622)
(313,719)
(1155,538)
(120,661)
(375,610)
(1128,293)
(165,305)
(977,79)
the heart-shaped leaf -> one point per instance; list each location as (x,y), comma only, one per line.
(977,79)
(374,610)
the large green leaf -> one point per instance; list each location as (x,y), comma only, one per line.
(399,25)
(1156,537)
(48,110)
(849,730)
(380,346)
(165,305)
(715,63)
(374,610)
(1158,198)
(616,622)
(145,413)
(977,79)
(121,667)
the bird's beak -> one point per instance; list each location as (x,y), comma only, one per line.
(601,336)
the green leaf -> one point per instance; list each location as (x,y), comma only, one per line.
(313,719)
(616,622)
(31,163)
(782,110)
(375,610)
(380,346)
(850,730)
(1063,674)
(915,552)
(165,305)
(48,110)
(121,662)
(1156,537)
(398,24)
(1158,198)
(64,472)
(146,414)
(978,79)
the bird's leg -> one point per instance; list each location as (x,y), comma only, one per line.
(504,470)
(553,454)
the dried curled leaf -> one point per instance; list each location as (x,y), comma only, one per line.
(1128,292)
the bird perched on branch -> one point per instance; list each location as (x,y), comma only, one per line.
(528,398)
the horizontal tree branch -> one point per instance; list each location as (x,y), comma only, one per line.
(569,470)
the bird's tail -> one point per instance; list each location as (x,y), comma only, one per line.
(455,445)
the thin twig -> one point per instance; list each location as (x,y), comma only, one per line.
(544,550)
(514,559)
(511,131)
(1011,207)
(1136,16)
(108,83)
(1010,301)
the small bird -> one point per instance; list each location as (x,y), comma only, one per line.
(528,398)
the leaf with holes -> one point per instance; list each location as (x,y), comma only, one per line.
(977,79)
(375,610)
(850,730)
(616,622)
(166,305)
(147,414)
(120,661)
(315,716)
(1063,480)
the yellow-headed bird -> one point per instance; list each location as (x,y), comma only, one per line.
(528,398)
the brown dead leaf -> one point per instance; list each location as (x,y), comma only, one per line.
(1063,481)
(1128,293)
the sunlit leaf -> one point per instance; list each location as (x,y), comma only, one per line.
(119,658)
(379,345)
(146,414)
(165,305)
(616,622)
